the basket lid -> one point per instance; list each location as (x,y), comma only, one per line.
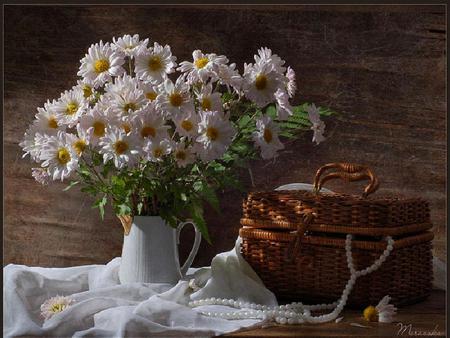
(288,208)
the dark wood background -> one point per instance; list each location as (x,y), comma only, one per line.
(381,67)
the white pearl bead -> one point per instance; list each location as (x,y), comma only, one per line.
(291,321)
(283,320)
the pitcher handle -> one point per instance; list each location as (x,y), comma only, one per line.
(195,247)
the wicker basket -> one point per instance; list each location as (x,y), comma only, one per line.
(295,241)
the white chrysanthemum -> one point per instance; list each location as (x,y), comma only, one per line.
(120,147)
(284,108)
(121,85)
(80,141)
(47,120)
(55,305)
(215,135)
(32,142)
(149,124)
(186,124)
(88,87)
(175,98)
(41,175)
(183,154)
(150,90)
(101,63)
(58,156)
(70,106)
(265,56)
(260,84)
(153,64)
(155,149)
(318,126)
(128,103)
(95,122)
(128,44)
(266,137)
(203,68)
(291,85)
(208,100)
(229,76)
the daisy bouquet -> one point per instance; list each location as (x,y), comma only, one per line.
(153,137)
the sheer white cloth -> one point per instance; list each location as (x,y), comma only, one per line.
(105,308)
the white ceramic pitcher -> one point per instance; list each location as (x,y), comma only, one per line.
(150,252)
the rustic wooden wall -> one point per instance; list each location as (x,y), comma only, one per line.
(381,67)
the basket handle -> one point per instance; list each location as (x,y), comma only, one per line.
(349,172)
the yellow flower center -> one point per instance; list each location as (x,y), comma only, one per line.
(175,99)
(87,91)
(212,133)
(71,108)
(268,135)
(180,155)
(261,82)
(370,314)
(120,147)
(200,63)
(99,128)
(52,123)
(154,63)
(187,125)
(148,131)
(57,308)
(101,66)
(79,146)
(206,104)
(126,127)
(129,106)
(63,156)
(151,96)
(157,152)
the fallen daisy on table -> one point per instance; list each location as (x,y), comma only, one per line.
(383,312)
(55,305)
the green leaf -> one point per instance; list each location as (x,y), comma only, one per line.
(100,204)
(210,196)
(197,216)
(73,183)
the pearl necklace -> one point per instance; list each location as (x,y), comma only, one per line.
(296,312)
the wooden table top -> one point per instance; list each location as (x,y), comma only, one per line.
(426,319)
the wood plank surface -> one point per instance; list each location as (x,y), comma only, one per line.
(426,319)
(381,67)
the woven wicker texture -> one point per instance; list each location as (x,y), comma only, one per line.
(309,263)
(319,273)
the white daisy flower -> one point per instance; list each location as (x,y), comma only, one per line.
(204,67)
(183,155)
(260,83)
(318,126)
(55,305)
(209,100)
(186,124)
(32,142)
(175,98)
(284,108)
(266,137)
(101,63)
(265,56)
(88,87)
(153,64)
(215,135)
(80,141)
(156,149)
(129,102)
(229,76)
(291,85)
(47,120)
(58,156)
(41,175)
(120,147)
(128,44)
(150,90)
(95,122)
(70,106)
(383,312)
(149,124)
(121,85)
